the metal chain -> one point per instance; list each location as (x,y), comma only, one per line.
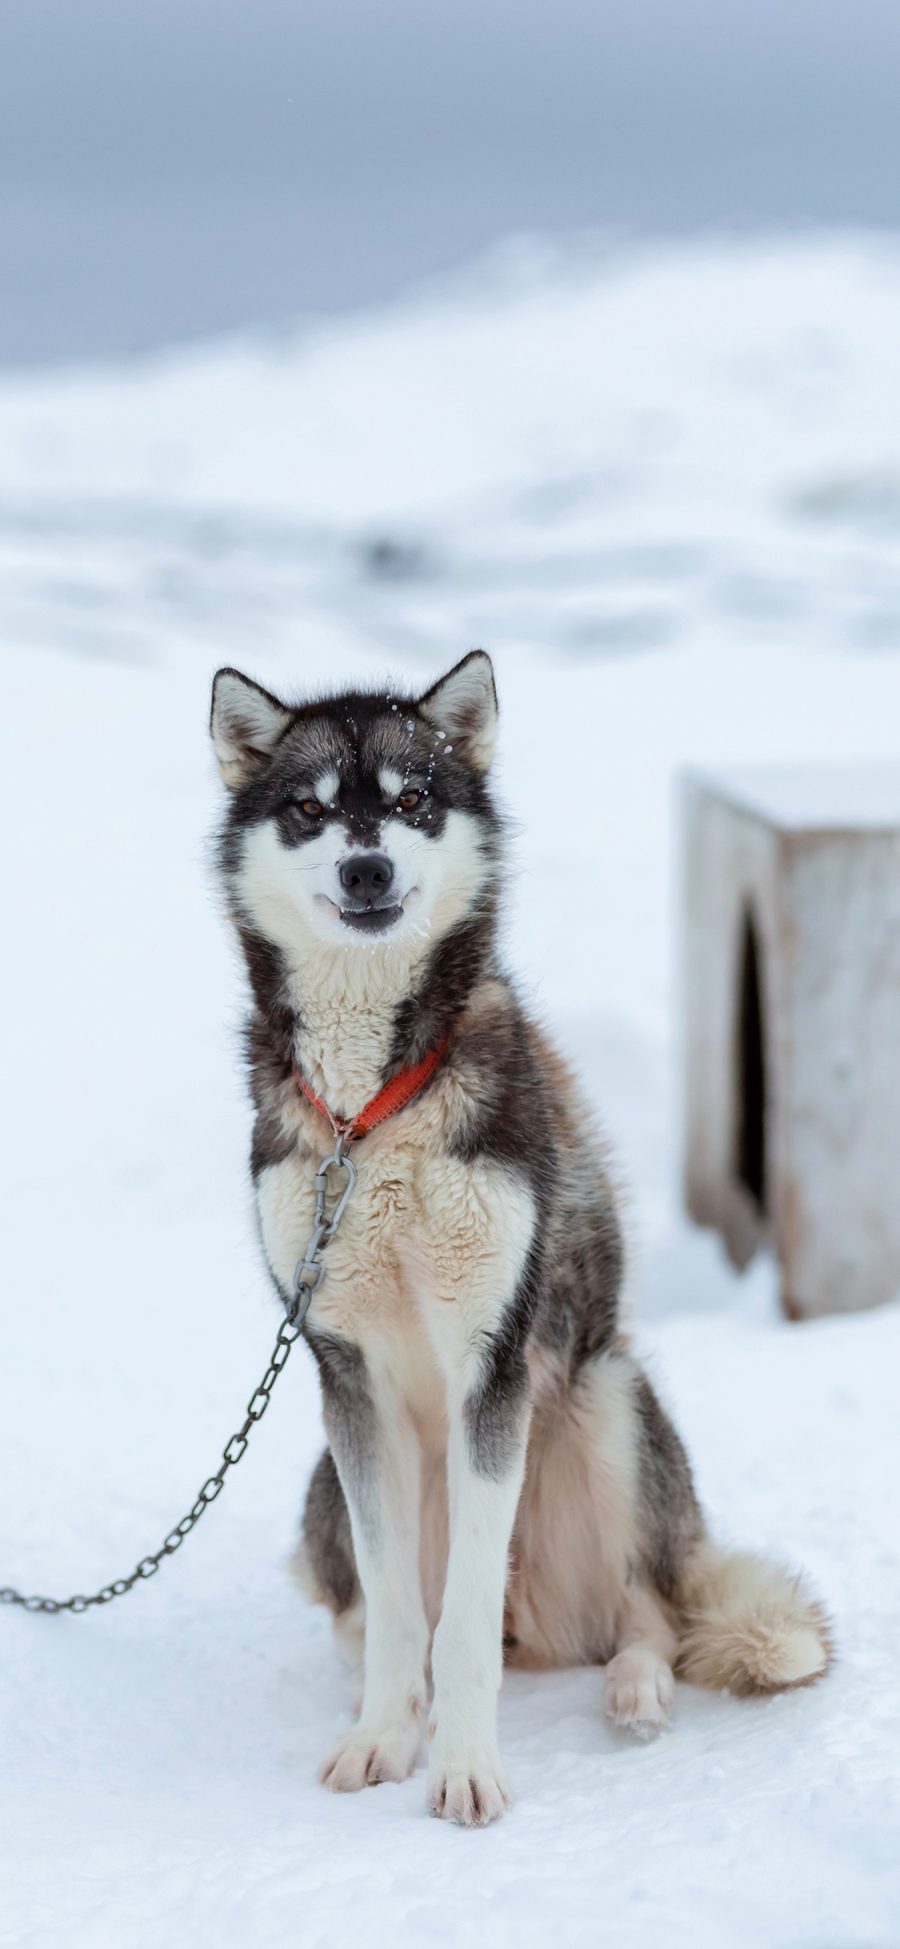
(308,1277)
(288,1332)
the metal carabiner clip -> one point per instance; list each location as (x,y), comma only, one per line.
(310,1270)
(341,1162)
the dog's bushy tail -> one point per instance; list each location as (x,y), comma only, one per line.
(747,1625)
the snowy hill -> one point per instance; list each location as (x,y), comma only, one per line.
(589,457)
(665,491)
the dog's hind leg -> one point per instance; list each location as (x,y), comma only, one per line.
(639,1684)
(324,1563)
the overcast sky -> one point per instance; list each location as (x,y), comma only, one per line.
(170,168)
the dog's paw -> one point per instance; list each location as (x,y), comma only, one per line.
(366,1757)
(473,1793)
(638,1692)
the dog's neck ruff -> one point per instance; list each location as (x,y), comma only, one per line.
(393,1097)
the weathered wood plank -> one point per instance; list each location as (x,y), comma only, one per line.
(791,885)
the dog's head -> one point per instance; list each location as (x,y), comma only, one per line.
(362,818)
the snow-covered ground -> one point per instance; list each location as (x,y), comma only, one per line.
(666,492)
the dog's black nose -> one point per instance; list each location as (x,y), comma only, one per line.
(367,876)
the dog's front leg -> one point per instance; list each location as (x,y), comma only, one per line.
(376,1452)
(466,1781)
(488,1414)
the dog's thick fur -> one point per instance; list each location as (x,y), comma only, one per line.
(500,1476)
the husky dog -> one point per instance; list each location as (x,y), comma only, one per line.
(500,1478)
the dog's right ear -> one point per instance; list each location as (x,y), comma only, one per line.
(246,723)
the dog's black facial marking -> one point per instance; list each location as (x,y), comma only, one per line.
(295,825)
(360,813)
(357,736)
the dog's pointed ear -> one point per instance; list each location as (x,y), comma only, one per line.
(463,705)
(246,723)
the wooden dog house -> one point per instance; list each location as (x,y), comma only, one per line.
(791,1007)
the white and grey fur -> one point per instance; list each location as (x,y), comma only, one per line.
(500,1478)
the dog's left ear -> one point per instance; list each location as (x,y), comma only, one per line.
(246,723)
(464,706)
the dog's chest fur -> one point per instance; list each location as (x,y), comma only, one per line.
(402,1258)
(347,1026)
(365,1277)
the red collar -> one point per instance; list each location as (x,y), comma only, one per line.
(394,1096)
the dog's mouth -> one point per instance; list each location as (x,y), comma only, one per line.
(371,919)
(371,916)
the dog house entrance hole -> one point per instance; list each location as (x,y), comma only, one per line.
(750,1159)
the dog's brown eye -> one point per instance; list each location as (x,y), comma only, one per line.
(408,801)
(312,808)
